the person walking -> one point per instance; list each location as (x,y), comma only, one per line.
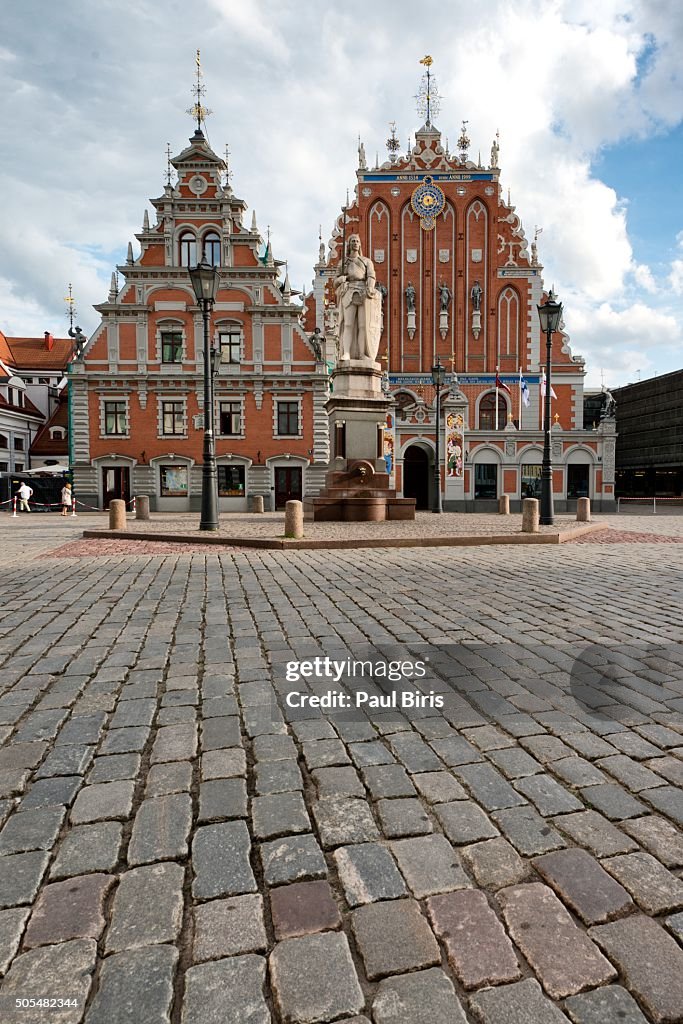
(23,494)
(66,499)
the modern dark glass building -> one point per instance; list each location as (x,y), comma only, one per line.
(649,452)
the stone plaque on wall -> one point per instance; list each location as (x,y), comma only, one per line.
(476,255)
(444,255)
(379,256)
(411,255)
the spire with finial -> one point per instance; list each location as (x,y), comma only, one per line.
(254,228)
(287,288)
(464,142)
(129,254)
(70,306)
(321,245)
(228,172)
(393,145)
(448,155)
(169,166)
(428,98)
(113,287)
(198,111)
(409,150)
(145,221)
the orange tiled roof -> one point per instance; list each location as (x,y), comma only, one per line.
(32,353)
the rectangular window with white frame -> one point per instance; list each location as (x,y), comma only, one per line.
(231,480)
(230,345)
(172,418)
(230,419)
(171,346)
(288,416)
(116,419)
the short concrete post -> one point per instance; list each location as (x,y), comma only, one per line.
(117,514)
(504,505)
(294,519)
(142,507)
(257,503)
(583,510)
(530,515)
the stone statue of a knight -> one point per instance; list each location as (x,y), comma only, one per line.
(359,304)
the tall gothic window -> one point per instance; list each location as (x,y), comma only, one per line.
(188,249)
(212,249)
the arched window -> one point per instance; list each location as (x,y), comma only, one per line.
(212,249)
(487,412)
(188,249)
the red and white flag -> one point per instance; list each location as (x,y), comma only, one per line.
(542,387)
(500,384)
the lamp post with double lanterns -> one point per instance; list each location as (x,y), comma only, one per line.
(549,314)
(438,378)
(205,279)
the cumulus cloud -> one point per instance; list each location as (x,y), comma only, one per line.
(291,86)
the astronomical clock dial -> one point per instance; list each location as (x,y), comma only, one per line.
(428,201)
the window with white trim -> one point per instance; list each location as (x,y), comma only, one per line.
(115,419)
(230,344)
(172,418)
(212,249)
(230,418)
(287,418)
(187,244)
(171,345)
(231,481)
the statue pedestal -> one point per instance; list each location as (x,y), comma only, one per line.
(443,324)
(357,489)
(476,323)
(411,325)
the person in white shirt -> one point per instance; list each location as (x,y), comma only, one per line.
(24,493)
(66,499)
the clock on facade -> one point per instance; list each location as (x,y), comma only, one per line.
(428,201)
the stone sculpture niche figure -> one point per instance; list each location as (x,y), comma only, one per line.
(359,305)
(609,406)
(410,297)
(445,293)
(316,340)
(495,150)
(476,296)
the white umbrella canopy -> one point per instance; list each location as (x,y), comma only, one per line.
(57,470)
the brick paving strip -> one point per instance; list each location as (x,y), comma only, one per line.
(177,846)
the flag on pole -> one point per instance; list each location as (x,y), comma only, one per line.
(526,398)
(543,392)
(501,384)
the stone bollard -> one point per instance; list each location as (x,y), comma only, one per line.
(142,507)
(583,510)
(117,514)
(504,505)
(294,519)
(257,503)
(530,515)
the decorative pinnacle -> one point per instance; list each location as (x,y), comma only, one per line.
(464,142)
(70,306)
(197,110)
(169,165)
(393,145)
(228,172)
(428,98)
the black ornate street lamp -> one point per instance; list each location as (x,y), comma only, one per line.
(438,378)
(204,279)
(549,314)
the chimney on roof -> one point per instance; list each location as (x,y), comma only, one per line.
(49,341)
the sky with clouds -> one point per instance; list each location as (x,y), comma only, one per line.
(588,99)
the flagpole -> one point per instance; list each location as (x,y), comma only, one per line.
(520,398)
(496,398)
(541,388)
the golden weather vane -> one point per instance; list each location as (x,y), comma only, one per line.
(70,306)
(198,111)
(428,98)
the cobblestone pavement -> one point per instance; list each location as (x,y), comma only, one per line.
(178,844)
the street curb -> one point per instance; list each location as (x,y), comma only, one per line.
(285,544)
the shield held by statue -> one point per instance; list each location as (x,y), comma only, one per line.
(373,325)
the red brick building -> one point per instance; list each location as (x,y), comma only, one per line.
(460,281)
(137,392)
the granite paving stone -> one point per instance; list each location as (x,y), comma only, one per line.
(173,777)
(613,801)
(424,997)
(302,908)
(368,873)
(324,754)
(659,837)
(675,926)
(596,833)
(630,773)
(464,822)
(229,928)
(429,865)
(653,887)
(54,792)
(314,979)
(437,788)
(413,753)
(668,800)
(174,743)
(12,924)
(279,814)
(669,768)
(61,971)
(364,755)
(113,767)
(83,729)
(577,771)
(273,748)
(291,859)
(393,937)
(88,848)
(161,829)
(452,750)
(103,801)
(387,781)
(135,985)
(72,909)
(529,833)
(403,818)
(124,741)
(650,961)
(21,876)
(495,863)
(610,1004)
(515,763)
(488,787)
(562,956)
(584,885)
(220,861)
(131,713)
(343,820)
(478,950)
(66,760)
(546,748)
(520,1003)
(547,795)
(230,989)
(31,830)
(147,908)
(219,733)
(221,799)
(280,777)
(223,764)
